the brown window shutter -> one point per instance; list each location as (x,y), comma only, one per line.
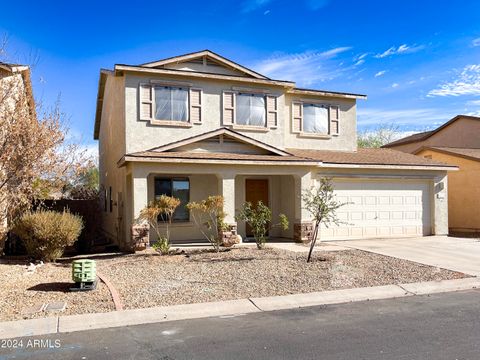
(196,106)
(334,125)
(228,108)
(297,117)
(146,102)
(272,111)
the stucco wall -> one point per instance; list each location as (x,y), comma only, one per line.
(464,191)
(462,133)
(111,149)
(141,135)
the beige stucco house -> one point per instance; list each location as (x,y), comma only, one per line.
(456,142)
(199,124)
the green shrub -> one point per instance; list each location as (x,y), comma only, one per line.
(162,245)
(46,234)
(260,220)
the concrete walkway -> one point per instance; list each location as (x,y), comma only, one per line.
(457,254)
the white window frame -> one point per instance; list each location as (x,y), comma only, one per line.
(308,133)
(248,126)
(154,104)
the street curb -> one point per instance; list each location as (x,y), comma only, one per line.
(81,322)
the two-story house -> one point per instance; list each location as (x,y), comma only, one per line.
(199,124)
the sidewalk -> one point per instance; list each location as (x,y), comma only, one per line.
(64,324)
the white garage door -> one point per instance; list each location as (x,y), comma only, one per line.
(381,209)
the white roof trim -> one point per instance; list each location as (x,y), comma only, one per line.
(207,53)
(221,131)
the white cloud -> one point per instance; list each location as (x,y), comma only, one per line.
(467,82)
(476,42)
(305,68)
(380,73)
(252,5)
(394,85)
(359,62)
(474,102)
(266,12)
(418,118)
(402,49)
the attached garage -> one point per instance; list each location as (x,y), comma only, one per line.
(381,208)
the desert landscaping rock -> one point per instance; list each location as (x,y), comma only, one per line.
(48,284)
(147,280)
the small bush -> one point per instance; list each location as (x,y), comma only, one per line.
(162,245)
(46,234)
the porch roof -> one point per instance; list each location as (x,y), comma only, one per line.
(216,157)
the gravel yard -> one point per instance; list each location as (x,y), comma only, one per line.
(49,283)
(150,280)
(146,280)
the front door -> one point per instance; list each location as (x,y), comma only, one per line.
(255,190)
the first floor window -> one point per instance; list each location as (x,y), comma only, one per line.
(315,119)
(178,188)
(171,103)
(250,109)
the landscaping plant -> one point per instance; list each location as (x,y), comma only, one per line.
(260,220)
(160,209)
(46,234)
(209,216)
(321,203)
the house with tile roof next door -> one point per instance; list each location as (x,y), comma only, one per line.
(199,124)
(456,142)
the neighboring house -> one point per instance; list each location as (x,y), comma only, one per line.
(456,142)
(15,96)
(199,124)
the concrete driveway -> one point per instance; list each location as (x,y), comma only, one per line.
(458,254)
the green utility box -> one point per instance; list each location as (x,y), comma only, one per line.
(84,271)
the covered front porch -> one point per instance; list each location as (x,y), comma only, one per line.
(279,187)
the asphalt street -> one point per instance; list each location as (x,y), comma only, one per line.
(441,326)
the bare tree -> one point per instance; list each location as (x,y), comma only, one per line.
(378,137)
(35,157)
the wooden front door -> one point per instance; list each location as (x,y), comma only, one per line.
(255,190)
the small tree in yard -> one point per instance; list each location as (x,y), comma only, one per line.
(260,220)
(162,208)
(321,203)
(209,216)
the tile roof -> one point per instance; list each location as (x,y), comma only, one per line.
(216,156)
(411,138)
(366,157)
(360,157)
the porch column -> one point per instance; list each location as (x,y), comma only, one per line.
(226,188)
(139,230)
(303,225)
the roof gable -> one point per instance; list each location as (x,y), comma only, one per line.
(428,134)
(221,140)
(204,61)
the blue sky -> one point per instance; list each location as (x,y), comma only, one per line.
(418,61)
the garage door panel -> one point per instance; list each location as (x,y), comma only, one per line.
(382,209)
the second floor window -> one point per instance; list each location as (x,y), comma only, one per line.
(315,119)
(250,109)
(171,103)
